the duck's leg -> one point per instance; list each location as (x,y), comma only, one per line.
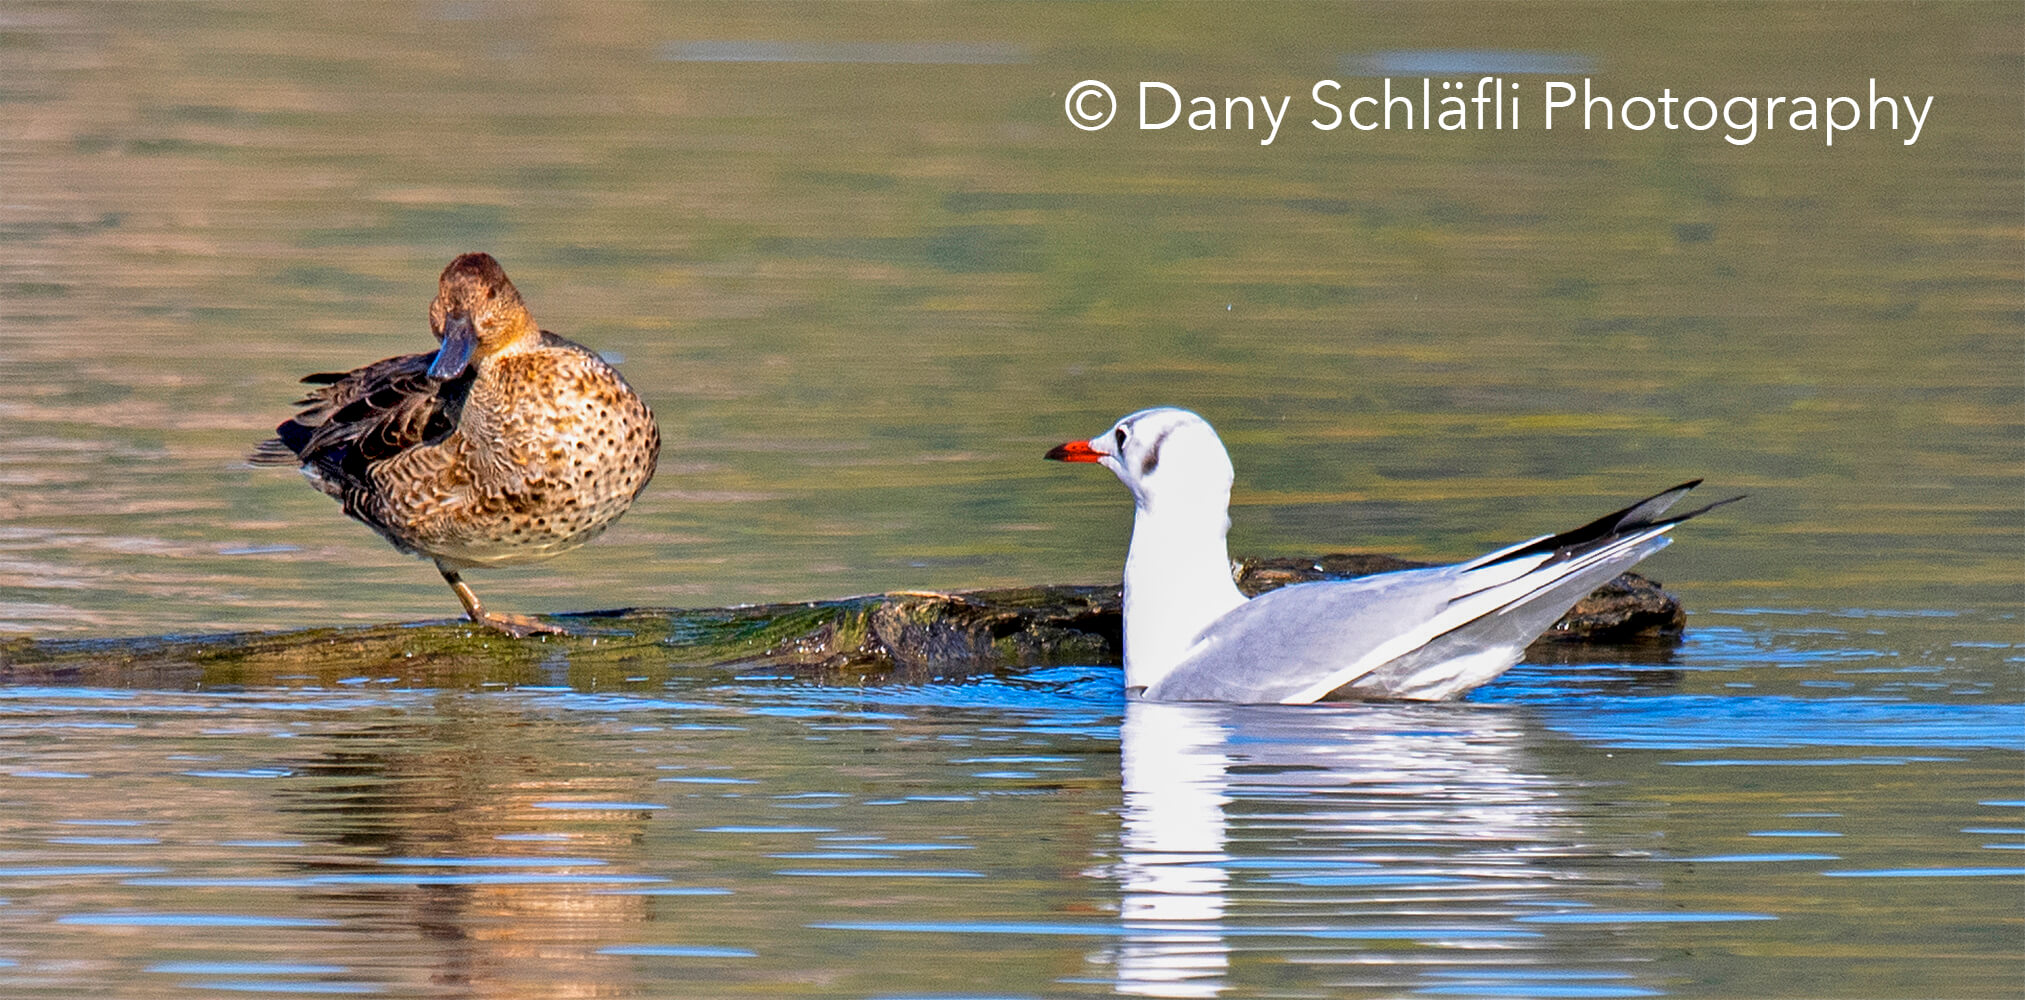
(517,626)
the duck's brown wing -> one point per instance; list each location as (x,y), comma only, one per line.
(363,417)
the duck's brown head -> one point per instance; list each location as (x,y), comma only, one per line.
(477,313)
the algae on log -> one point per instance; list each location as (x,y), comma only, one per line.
(910,636)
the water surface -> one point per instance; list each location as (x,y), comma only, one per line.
(867,273)
(1720,825)
(867,279)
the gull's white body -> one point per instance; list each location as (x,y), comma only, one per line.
(1426,634)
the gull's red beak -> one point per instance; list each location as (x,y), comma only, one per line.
(1074,451)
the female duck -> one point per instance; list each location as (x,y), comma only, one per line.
(506,445)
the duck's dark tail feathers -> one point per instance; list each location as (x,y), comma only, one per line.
(285,448)
(273,451)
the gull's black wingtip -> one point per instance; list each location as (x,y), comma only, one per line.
(1699,511)
(1641,516)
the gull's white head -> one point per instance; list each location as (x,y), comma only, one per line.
(1177,574)
(1171,460)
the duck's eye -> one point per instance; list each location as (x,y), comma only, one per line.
(1119,436)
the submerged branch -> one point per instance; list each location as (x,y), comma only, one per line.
(905,635)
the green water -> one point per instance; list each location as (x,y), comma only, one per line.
(866,287)
(864,297)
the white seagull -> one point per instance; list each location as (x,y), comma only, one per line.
(1422,634)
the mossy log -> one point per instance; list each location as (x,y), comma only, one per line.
(906,635)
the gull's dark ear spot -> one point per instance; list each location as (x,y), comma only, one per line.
(1152,459)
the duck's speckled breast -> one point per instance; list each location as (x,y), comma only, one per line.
(551,447)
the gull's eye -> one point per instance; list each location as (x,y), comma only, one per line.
(1119,436)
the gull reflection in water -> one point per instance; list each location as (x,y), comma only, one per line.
(1423,809)
(1171,851)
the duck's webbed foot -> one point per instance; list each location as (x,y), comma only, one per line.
(517,626)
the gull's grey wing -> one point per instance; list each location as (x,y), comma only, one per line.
(1275,645)
(1425,634)
(1470,655)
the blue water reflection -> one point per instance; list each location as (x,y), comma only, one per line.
(1605,826)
